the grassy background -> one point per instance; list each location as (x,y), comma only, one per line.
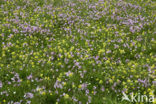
(46,39)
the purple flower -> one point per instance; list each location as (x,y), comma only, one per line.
(17,103)
(1,84)
(29,95)
(132,29)
(29,77)
(58,85)
(102,89)
(154,83)
(28,102)
(84,86)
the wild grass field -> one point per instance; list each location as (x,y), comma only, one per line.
(77,51)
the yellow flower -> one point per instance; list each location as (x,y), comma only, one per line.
(72,48)
(100,82)
(86,56)
(70,74)
(154,101)
(68,54)
(128,80)
(51,94)
(97,79)
(153,66)
(36,57)
(73,86)
(107,62)
(124,83)
(66,96)
(13,53)
(101,51)
(41,75)
(113,77)
(122,51)
(59,79)
(63,41)
(47,78)
(59,63)
(4,100)
(111,81)
(1,65)
(43,93)
(60,50)
(80,86)
(92,92)
(47,38)
(64,83)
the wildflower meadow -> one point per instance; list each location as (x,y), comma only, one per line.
(78,52)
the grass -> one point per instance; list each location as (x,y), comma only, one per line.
(79,51)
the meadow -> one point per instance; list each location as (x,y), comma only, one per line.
(77,51)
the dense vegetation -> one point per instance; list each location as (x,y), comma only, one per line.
(76,51)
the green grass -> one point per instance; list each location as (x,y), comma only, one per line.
(62,50)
